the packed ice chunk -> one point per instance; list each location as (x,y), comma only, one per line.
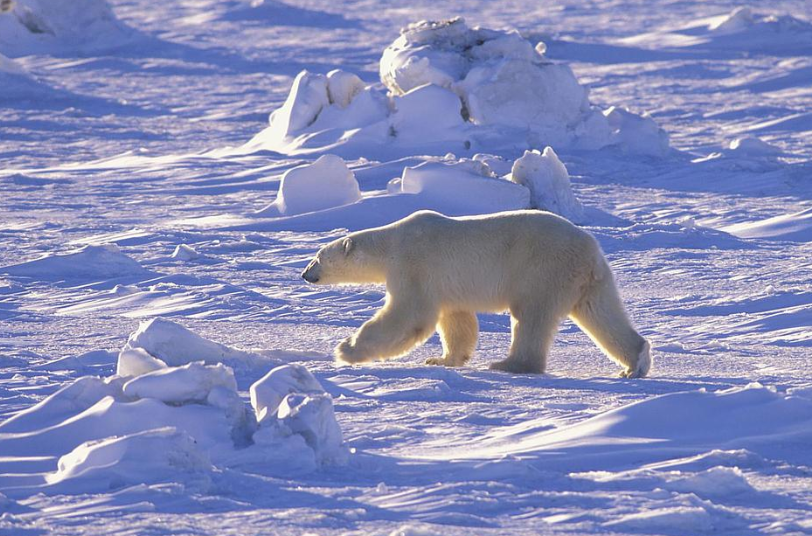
(463,187)
(306,99)
(516,93)
(312,416)
(549,183)
(137,361)
(268,392)
(180,385)
(175,345)
(143,457)
(441,53)
(637,134)
(343,87)
(325,183)
(428,112)
(500,76)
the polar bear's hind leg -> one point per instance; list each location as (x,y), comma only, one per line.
(600,313)
(458,333)
(533,330)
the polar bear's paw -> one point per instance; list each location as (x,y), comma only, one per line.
(445,362)
(516,367)
(643,365)
(347,352)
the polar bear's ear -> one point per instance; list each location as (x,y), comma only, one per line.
(348,245)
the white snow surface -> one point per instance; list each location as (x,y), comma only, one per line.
(691,162)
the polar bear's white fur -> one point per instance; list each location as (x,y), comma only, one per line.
(440,271)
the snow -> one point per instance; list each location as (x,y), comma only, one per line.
(326,183)
(175,345)
(462,187)
(139,458)
(549,183)
(268,392)
(451,88)
(86,263)
(178,385)
(135,131)
(48,25)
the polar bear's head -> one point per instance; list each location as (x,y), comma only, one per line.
(343,261)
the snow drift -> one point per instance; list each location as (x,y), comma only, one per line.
(38,26)
(170,423)
(452,88)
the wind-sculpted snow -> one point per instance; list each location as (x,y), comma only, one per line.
(167,424)
(164,368)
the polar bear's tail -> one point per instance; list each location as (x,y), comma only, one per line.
(600,313)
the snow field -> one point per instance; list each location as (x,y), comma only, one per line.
(702,208)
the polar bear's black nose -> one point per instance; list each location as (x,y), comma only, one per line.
(310,278)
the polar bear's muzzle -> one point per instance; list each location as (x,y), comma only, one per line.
(312,273)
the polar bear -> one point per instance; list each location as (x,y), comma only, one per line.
(440,271)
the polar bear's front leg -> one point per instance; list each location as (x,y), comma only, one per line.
(458,332)
(393,331)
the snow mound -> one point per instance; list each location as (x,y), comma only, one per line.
(549,183)
(140,458)
(90,262)
(184,252)
(739,30)
(796,226)
(451,89)
(174,345)
(751,146)
(464,186)
(325,183)
(715,482)
(637,134)
(173,423)
(33,26)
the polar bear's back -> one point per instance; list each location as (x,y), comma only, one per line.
(488,262)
